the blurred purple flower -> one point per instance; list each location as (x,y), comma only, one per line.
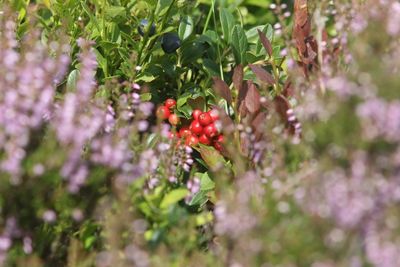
(49,216)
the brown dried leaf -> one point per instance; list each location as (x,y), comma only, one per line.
(262,74)
(242,94)
(252,99)
(281,106)
(265,42)
(258,123)
(222,89)
(288,89)
(299,37)
(300,12)
(238,77)
(243,110)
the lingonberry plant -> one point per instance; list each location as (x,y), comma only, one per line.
(199,133)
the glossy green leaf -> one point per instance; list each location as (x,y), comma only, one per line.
(239,44)
(200,198)
(206,183)
(163,6)
(185,27)
(71,81)
(227,22)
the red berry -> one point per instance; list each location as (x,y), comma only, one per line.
(220,139)
(218,146)
(205,119)
(210,130)
(163,113)
(184,132)
(196,127)
(170,103)
(204,139)
(196,113)
(171,135)
(173,119)
(214,114)
(191,140)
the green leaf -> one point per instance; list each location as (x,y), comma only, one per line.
(145,77)
(91,16)
(115,13)
(145,208)
(206,183)
(200,198)
(173,197)
(145,97)
(202,219)
(162,7)
(89,242)
(211,67)
(102,61)
(185,27)
(152,140)
(239,44)
(192,51)
(211,37)
(115,33)
(211,157)
(71,81)
(227,22)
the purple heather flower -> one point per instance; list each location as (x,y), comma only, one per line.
(77,215)
(110,119)
(143,125)
(5,243)
(29,80)
(49,216)
(27,245)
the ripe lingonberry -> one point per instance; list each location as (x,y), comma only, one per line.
(163,112)
(204,139)
(210,130)
(205,119)
(170,103)
(191,140)
(220,139)
(214,114)
(184,132)
(173,119)
(196,127)
(196,113)
(218,146)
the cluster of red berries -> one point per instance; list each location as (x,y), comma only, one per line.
(202,129)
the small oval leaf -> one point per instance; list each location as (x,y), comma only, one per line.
(262,74)
(227,22)
(265,42)
(72,80)
(185,27)
(239,44)
(238,77)
(252,99)
(222,89)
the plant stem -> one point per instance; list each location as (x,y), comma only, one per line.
(218,48)
(208,17)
